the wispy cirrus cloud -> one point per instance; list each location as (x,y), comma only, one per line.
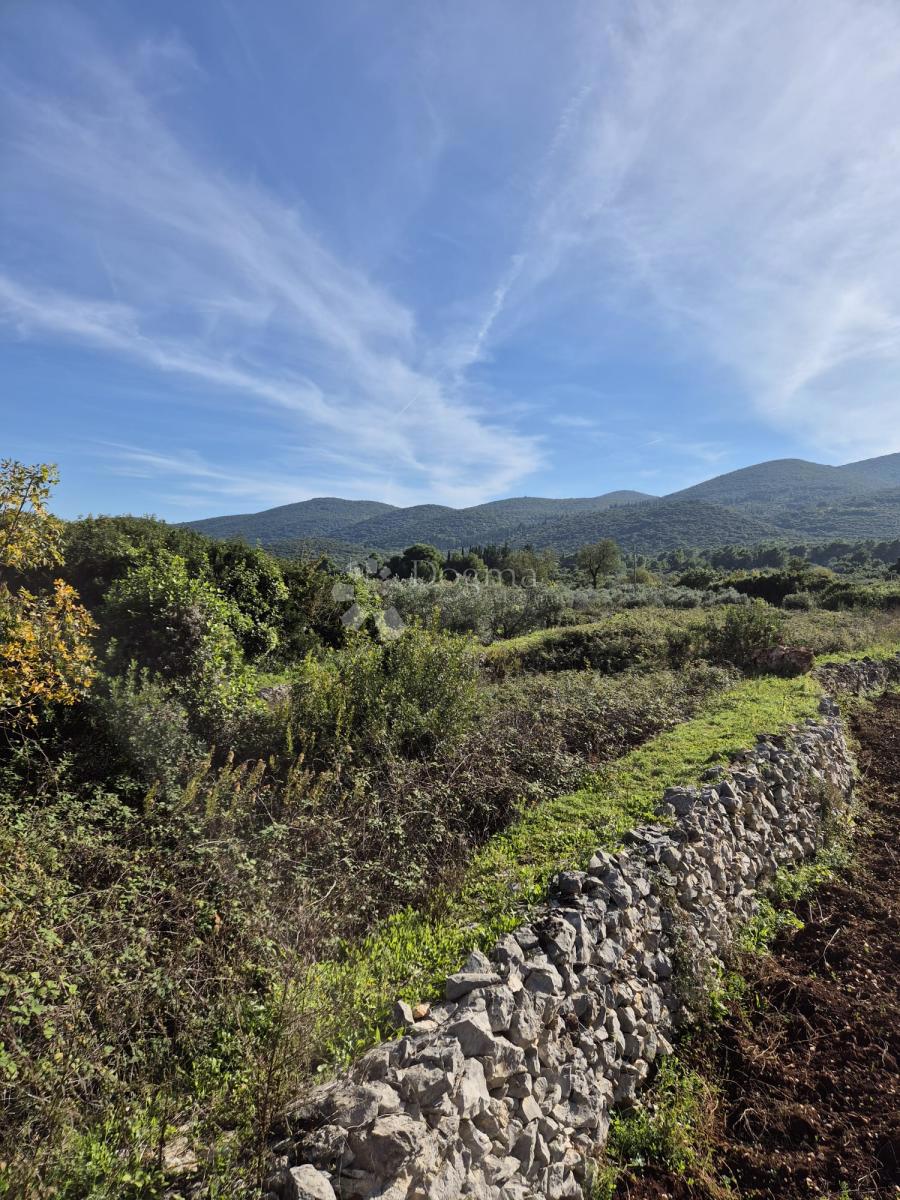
(195,480)
(190,271)
(559,198)
(734,180)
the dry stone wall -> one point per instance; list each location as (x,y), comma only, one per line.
(504,1090)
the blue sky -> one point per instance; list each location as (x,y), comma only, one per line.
(418,251)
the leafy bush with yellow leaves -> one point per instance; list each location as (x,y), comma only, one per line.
(45,650)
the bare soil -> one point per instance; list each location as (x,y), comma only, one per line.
(809,1063)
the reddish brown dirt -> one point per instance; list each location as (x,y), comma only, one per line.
(809,1066)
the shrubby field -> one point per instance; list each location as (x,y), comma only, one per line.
(237,822)
(493,611)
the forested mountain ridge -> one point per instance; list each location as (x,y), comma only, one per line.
(771,487)
(384,526)
(319,517)
(653,527)
(780,499)
(865,515)
(498,520)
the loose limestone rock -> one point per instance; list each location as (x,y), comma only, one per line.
(309,1184)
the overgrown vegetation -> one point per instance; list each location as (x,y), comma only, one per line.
(236,824)
(668,1129)
(411,952)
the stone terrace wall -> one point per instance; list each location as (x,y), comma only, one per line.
(861,675)
(505,1089)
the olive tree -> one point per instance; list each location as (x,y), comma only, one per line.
(600,558)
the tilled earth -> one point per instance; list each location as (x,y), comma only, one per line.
(809,1067)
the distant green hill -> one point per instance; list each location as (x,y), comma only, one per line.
(772,488)
(316,518)
(785,499)
(654,527)
(877,473)
(384,527)
(496,521)
(870,515)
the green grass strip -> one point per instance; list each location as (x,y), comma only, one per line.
(644,631)
(410,954)
(881,651)
(504,647)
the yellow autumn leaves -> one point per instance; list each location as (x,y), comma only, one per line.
(45,650)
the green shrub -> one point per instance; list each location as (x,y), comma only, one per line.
(798,602)
(251,581)
(310,615)
(373,699)
(100,550)
(150,728)
(646,638)
(743,633)
(775,586)
(831,632)
(170,621)
(847,594)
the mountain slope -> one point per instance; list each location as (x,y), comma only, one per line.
(773,488)
(306,519)
(874,473)
(653,527)
(784,498)
(869,515)
(382,526)
(448,528)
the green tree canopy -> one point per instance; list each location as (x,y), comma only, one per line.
(600,558)
(421,560)
(167,619)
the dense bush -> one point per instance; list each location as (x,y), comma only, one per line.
(488,610)
(373,699)
(650,639)
(310,616)
(150,728)
(846,594)
(841,632)
(144,959)
(162,617)
(798,602)
(743,633)
(774,586)
(253,584)
(100,550)
(279,610)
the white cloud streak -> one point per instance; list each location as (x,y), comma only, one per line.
(737,176)
(726,175)
(215,279)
